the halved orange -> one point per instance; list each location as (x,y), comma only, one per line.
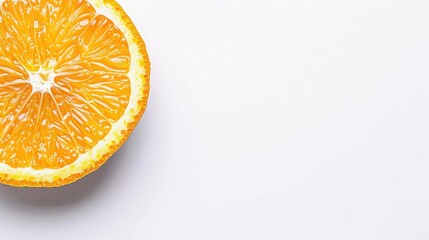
(74,82)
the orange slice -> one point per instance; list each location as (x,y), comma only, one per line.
(74,82)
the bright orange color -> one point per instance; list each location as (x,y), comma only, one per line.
(63,83)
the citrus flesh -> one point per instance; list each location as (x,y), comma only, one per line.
(74,82)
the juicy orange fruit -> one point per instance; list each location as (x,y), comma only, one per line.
(74,82)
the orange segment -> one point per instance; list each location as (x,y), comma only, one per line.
(16,125)
(86,124)
(54,145)
(104,47)
(108,93)
(17,30)
(58,29)
(71,91)
(15,98)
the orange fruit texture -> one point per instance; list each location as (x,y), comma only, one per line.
(74,82)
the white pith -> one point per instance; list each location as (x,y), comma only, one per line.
(43,81)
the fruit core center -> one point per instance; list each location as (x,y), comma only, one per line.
(42,81)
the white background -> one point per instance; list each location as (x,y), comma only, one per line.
(268,120)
